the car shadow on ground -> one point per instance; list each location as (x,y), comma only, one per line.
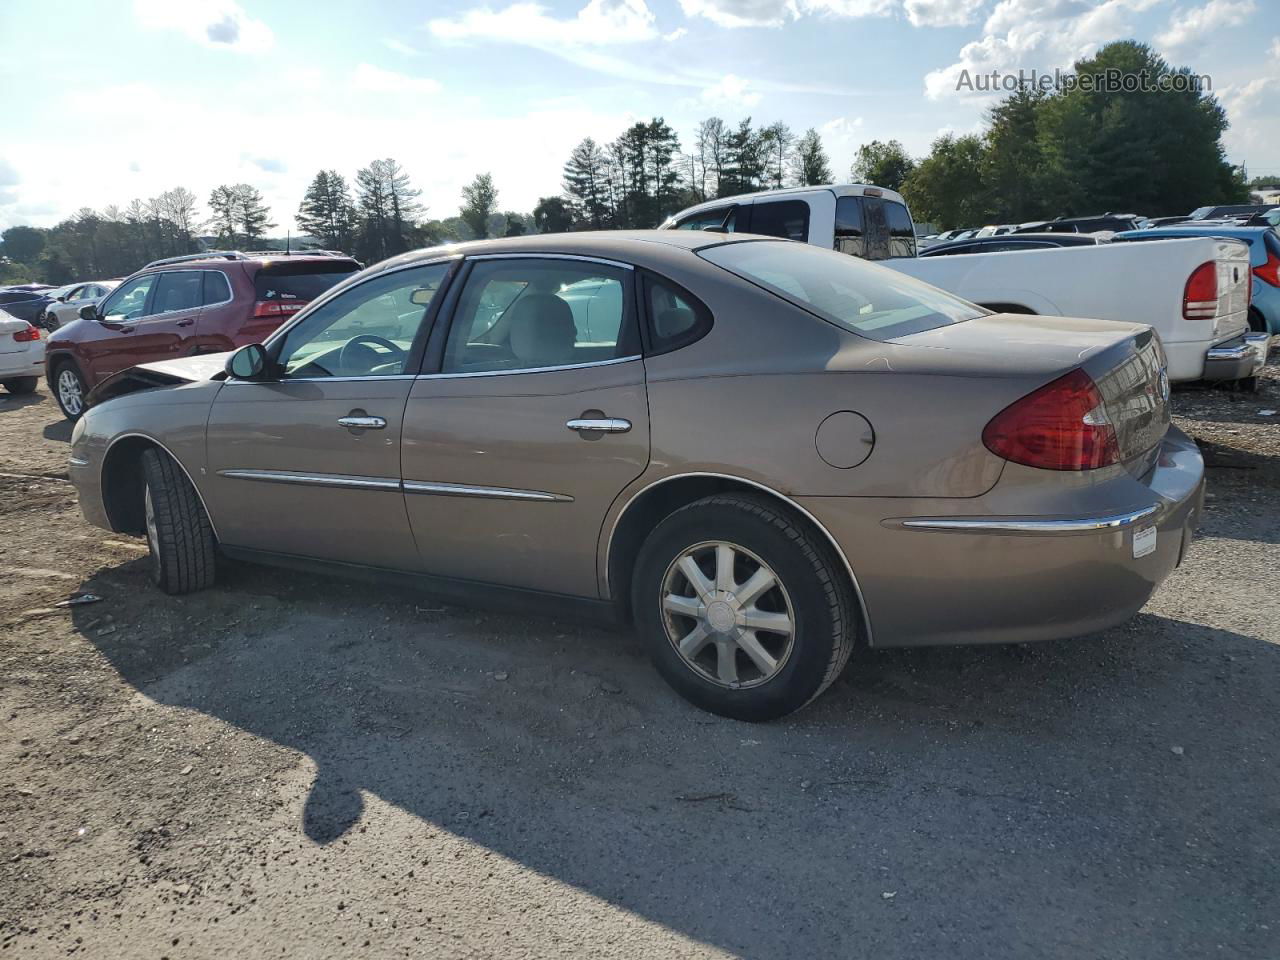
(59,431)
(1109,795)
(10,401)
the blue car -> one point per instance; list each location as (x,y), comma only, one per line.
(1264,258)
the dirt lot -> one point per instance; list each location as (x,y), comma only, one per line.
(293,766)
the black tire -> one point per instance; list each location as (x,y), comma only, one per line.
(68,368)
(1247,384)
(20,385)
(183,555)
(824,608)
(1256,322)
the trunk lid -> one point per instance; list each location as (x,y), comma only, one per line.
(1125,361)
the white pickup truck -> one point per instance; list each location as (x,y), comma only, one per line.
(1194,292)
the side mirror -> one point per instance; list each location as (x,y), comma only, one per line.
(89,311)
(248,363)
(61,299)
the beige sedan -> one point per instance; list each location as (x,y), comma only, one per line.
(760,452)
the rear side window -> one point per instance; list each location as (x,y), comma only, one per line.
(216,289)
(902,232)
(849,234)
(299,281)
(675,317)
(864,299)
(788,219)
(704,219)
(179,290)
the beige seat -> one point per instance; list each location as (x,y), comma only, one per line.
(542,331)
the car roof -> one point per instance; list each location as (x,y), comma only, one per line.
(839,189)
(617,244)
(1199,227)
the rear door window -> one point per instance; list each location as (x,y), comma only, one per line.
(788,219)
(704,219)
(216,289)
(176,291)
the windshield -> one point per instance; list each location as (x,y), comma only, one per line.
(869,300)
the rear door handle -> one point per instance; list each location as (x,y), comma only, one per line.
(362,423)
(603,425)
(186,323)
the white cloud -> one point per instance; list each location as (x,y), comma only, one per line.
(399,46)
(775,13)
(599,23)
(942,13)
(370,79)
(730,91)
(218,24)
(1034,34)
(738,13)
(1188,26)
(674,35)
(1275,48)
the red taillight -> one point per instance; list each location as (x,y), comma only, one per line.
(1200,296)
(1269,272)
(277,308)
(27,335)
(1061,426)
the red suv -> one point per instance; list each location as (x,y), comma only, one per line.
(202,303)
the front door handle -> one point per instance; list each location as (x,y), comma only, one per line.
(362,423)
(186,323)
(602,425)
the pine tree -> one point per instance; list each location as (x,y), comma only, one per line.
(327,211)
(587,184)
(810,165)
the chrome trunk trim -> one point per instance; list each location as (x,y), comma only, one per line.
(1029,526)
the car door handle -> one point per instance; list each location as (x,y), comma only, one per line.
(603,425)
(186,323)
(362,423)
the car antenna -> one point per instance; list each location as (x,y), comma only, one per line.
(287,250)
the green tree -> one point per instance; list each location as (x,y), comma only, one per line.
(587,185)
(327,211)
(810,165)
(947,187)
(225,220)
(1014,177)
(882,164)
(387,210)
(745,157)
(553,215)
(776,145)
(479,201)
(22,243)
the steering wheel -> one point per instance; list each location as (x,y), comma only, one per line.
(347,356)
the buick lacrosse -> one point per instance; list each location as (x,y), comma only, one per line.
(759,452)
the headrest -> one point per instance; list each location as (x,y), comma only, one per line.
(542,330)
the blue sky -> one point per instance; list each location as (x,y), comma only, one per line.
(104,102)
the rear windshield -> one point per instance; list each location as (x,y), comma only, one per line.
(300,281)
(869,300)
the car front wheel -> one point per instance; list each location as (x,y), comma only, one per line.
(744,608)
(20,385)
(179,534)
(69,390)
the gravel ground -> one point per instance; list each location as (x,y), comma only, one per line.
(293,766)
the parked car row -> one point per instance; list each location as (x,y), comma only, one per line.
(1195,292)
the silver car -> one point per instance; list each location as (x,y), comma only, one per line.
(760,452)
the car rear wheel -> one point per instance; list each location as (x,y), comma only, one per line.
(744,609)
(21,385)
(179,534)
(69,390)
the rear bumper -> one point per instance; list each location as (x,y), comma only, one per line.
(967,578)
(1241,357)
(23,363)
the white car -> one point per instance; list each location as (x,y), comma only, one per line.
(1194,293)
(21,355)
(71,298)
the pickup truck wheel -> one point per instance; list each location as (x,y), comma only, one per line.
(21,385)
(744,609)
(178,530)
(69,390)
(1257,323)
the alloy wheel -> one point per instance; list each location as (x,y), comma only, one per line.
(727,614)
(70,392)
(153,531)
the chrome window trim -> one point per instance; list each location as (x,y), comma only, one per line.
(230,289)
(552,256)
(338,289)
(511,373)
(491,493)
(124,436)
(257,383)
(857,588)
(1028,526)
(313,479)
